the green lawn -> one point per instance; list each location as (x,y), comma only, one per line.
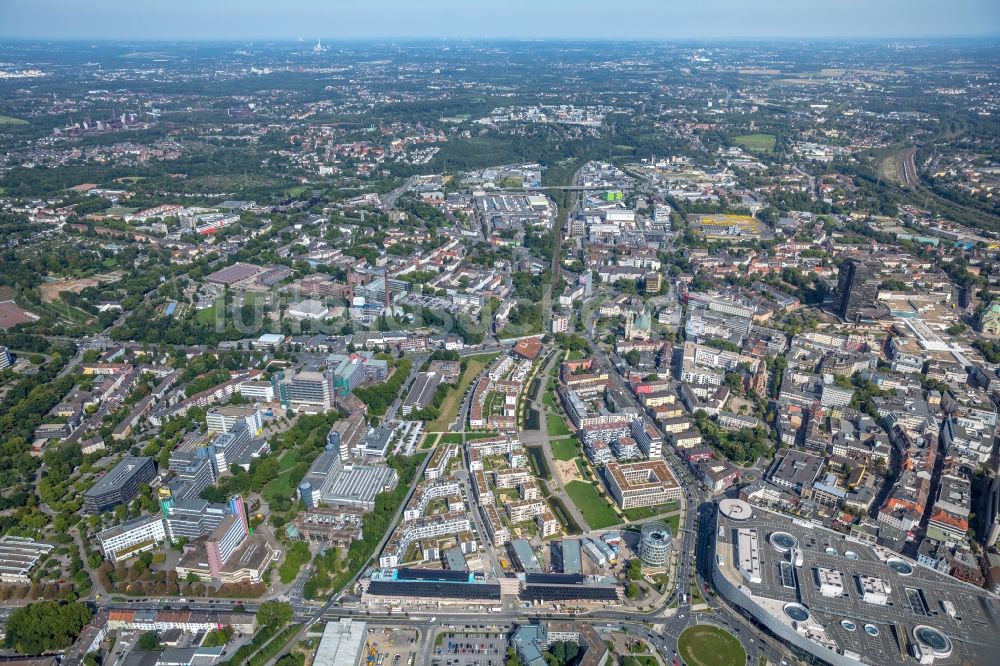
(761,143)
(595,509)
(548,399)
(288,460)
(11,120)
(556,426)
(707,645)
(279,486)
(565,449)
(644,512)
(456,437)
(639,660)
(449,407)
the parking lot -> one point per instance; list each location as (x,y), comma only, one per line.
(470,649)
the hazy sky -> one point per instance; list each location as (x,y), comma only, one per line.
(563,19)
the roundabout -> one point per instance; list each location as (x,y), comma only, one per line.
(708,645)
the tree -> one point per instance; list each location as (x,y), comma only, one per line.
(274,613)
(632,590)
(634,571)
(563,652)
(45,626)
(149,641)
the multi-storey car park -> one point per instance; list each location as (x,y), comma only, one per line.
(845,602)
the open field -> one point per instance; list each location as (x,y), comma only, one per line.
(50,290)
(11,314)
(707,645)
(761,143)
(11,120)
(595,509)
(449,407)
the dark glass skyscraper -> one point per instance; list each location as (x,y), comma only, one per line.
(858,288)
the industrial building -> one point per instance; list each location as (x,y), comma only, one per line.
(341,644)
(334,482)
(421,392)
(18,556)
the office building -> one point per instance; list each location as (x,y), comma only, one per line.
(225,418)
(655,544)
(408,585)
(231,448)
(857,286)
(307,390)
(191,518)
(120,485)
(192,472)
(639,484)
(131,538)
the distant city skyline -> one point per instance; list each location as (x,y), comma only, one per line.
(496,19)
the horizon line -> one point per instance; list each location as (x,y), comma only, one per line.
(512,39)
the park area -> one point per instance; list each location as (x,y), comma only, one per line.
(565,449)
(555,425)
(708,645)
(595,509)
(449,407)
(759,143)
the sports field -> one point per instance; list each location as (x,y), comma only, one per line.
(595,509)
(761,143)
(708,645)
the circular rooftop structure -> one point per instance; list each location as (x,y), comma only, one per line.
(851,555)
(735,509)
(831,551)
(899,566)
(848,625)
(655,543)
(933,640)
(783,542)
(872,630)
(796,612)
